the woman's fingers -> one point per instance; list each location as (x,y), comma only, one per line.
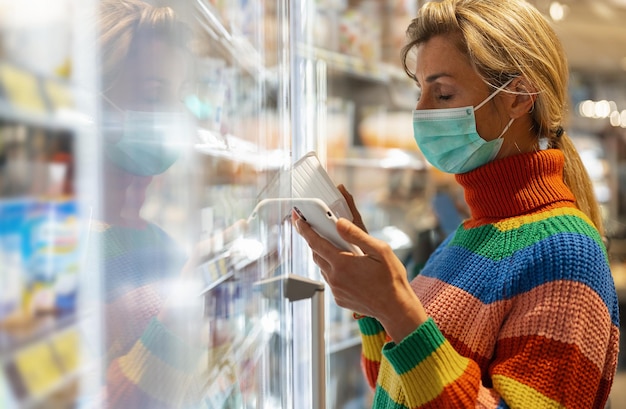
(354,234)
(323,264)
(356,215)
(316,242)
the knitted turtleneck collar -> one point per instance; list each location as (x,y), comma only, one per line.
(516,185)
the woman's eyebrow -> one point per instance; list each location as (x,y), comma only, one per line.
(434,77)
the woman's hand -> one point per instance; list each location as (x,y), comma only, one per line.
(375,284)
(356,215)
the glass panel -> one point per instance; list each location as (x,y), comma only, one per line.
(364,101)
(184,284)
(135,142)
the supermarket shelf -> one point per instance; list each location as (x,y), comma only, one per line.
(237,47)
(48,368)
(12,340)
(216,271)
(216,283)
(235,149)
(342,345)
(31,99)
(65,388)
(376,71)
(63,120)
(381,158)
(231,360)
(236,262)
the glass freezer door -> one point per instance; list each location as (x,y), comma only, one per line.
(262,335)
(136,138)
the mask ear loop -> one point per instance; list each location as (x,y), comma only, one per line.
(506,128)
(113,104)
(490,97)
(493,94)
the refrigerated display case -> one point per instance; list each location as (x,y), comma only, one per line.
(140,283)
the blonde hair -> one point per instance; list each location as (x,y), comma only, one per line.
(123,23)
(504,39)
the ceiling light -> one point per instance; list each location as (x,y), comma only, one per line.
(602,109)
(586,108)
(615,118)
(557,11)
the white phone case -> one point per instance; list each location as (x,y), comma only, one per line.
(318,215)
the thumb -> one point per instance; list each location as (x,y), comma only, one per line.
(355,235)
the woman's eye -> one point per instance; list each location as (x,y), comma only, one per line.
(445,97)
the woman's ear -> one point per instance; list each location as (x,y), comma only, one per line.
(524,97)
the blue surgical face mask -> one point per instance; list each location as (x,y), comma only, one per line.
(448,138)
(150,142)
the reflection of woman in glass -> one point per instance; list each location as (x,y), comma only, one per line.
(152,342)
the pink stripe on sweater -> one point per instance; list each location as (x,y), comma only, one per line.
(446,303)
(540,308)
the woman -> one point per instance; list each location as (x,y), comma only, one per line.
(155,357)
(517,308)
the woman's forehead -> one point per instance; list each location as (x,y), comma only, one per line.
(158,59)
(440,58)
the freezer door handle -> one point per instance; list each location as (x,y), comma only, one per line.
(296,288)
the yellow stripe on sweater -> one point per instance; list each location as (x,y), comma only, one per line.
(427,380)
(156,378)
(516,222)
(518,395)
(372,346)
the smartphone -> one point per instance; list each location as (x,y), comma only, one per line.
(317,214)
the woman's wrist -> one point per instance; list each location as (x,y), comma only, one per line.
(407,317)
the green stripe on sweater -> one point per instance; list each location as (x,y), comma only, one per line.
(511,241)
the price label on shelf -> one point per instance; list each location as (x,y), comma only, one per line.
(22,89)
(215,269)
(38,368)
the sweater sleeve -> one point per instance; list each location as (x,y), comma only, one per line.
(148,364)
(373,337)
(557,347)
(159,371)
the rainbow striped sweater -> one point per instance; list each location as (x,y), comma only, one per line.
(147,364)
(522,305)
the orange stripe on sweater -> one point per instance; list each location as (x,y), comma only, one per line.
(556,375)
(462,393)
(371,369)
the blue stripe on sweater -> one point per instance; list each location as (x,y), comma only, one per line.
(563,256)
